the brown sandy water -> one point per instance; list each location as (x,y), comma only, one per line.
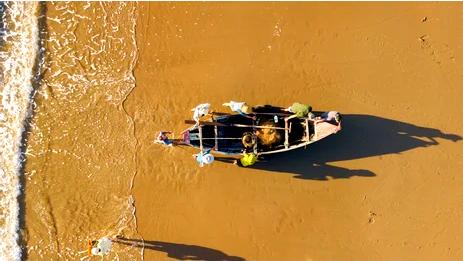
(386,187)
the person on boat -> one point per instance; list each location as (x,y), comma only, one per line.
(241,108)
(248,140)
(204,158)
(249,158)
(331,116)
(200,111)
(300,110)
(100,247)
(162,138)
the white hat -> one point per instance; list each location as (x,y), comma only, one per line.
(96,251)
(208,158)
(245,108)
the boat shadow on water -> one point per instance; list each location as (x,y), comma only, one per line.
(180,251)
(362,136)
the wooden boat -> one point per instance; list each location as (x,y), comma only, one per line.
(266,133)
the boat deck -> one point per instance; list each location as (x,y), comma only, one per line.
(224,135)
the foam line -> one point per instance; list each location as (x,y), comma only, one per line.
(19,48)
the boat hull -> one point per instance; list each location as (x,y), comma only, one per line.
(223,135)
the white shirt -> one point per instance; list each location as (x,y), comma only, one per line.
(329,116)
(200,111)
(102,247)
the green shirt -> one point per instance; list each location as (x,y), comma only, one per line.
(248,159)
(301,110)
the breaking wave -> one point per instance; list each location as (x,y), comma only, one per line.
(19,40)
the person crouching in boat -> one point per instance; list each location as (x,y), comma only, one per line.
(300,110)
(333,117)
(248,159)
(241,108)
(249,156)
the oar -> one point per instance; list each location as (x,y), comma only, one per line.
(213,123)
(218,138)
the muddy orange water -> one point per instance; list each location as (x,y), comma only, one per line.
(388,186)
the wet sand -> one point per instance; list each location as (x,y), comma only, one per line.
(386,187)
(80,147)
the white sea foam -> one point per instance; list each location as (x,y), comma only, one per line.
(17,57)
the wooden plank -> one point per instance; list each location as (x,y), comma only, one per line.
(216,138)
(315,136)
(200,130)
(211,123)
(286,134)
(254,136)
(307,129)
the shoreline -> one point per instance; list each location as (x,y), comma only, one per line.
(19,71)
(37,73)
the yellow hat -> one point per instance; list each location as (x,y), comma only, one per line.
(245,109)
